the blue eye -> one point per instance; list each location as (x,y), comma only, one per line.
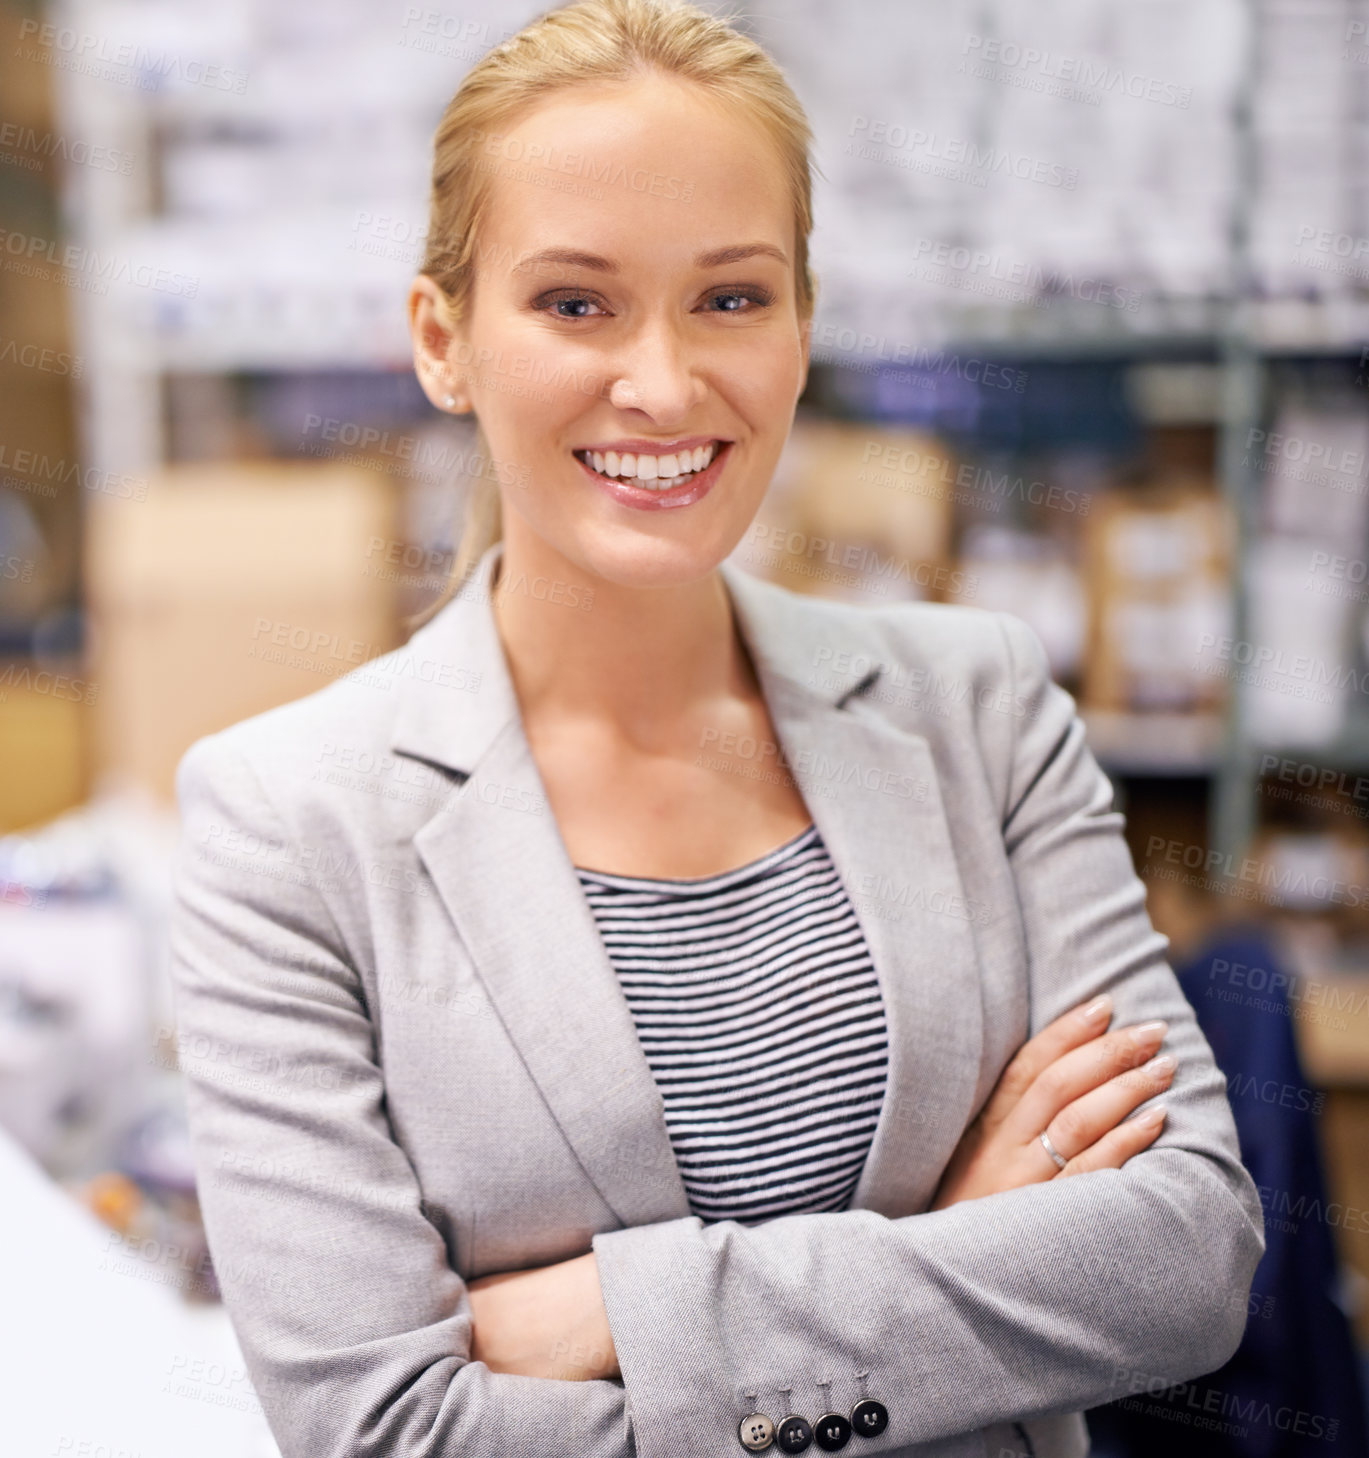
(760,297)
(568,299)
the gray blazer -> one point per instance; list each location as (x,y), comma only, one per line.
(408,1063)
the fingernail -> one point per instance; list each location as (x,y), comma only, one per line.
(1150,1032)
(1163,1063)
(1095,1010)
(1152,1116)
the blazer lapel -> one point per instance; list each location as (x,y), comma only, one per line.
(511,889)
(875,796)
(503,872)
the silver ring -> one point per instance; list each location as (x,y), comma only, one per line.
(1050,1149)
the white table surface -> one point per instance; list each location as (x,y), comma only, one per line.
(99,1357)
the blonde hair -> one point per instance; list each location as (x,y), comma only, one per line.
(590,41)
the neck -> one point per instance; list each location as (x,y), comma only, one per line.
(642,662)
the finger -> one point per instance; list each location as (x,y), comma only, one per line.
(1080,1124)
(1081,1069)
(1070,1030)
(1118,1145)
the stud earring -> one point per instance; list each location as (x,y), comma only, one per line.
(450,402)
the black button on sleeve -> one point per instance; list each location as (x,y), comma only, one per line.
(793,1434)
(832,1431)
(869,1418)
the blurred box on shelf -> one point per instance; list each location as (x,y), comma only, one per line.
(1158,564)
(1329,1001)
(1316,869)
(1301,648)
(45,713)
(866,515)
(1333,1029)
(1312,467)
(36,308)
(1029,574)
(230,589)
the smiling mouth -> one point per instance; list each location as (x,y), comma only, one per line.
(651,473)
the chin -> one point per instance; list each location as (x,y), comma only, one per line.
(632,559)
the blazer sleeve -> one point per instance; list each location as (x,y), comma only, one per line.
(1048,1299)
(352,1323)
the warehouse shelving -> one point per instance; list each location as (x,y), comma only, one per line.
(346,292)
(1243,332)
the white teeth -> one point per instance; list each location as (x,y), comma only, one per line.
(654,473)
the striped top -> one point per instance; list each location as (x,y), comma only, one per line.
(760,1014)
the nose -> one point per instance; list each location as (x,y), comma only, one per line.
(655,372)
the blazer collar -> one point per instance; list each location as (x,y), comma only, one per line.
(458,694)
(506,879)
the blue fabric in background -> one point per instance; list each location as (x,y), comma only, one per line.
(1293,1388)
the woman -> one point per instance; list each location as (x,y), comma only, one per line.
(615,1024)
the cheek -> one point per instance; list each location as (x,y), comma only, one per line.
(767,378)
(534,408)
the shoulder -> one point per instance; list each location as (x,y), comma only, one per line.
(969,677)
(973,682)
(945,660)
(981,642)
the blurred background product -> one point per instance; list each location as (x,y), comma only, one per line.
(183,640)
(1161,561)
(842,522)
(1092,347)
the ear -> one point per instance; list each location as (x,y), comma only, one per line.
(434,342)
(805,344)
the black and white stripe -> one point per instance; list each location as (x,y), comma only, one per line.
(760,1014)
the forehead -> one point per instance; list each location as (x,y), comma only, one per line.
(651,173)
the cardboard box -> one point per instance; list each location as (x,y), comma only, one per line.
(231,589)
(1302,625)
(1158,571)
(45,722)
(1029,574)
(867,516)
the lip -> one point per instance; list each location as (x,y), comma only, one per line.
(637,447)
(642,499)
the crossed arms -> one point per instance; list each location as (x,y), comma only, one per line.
(359,1335)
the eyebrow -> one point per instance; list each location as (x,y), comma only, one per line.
(712,258)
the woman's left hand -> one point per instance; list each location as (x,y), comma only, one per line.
(547,1322)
